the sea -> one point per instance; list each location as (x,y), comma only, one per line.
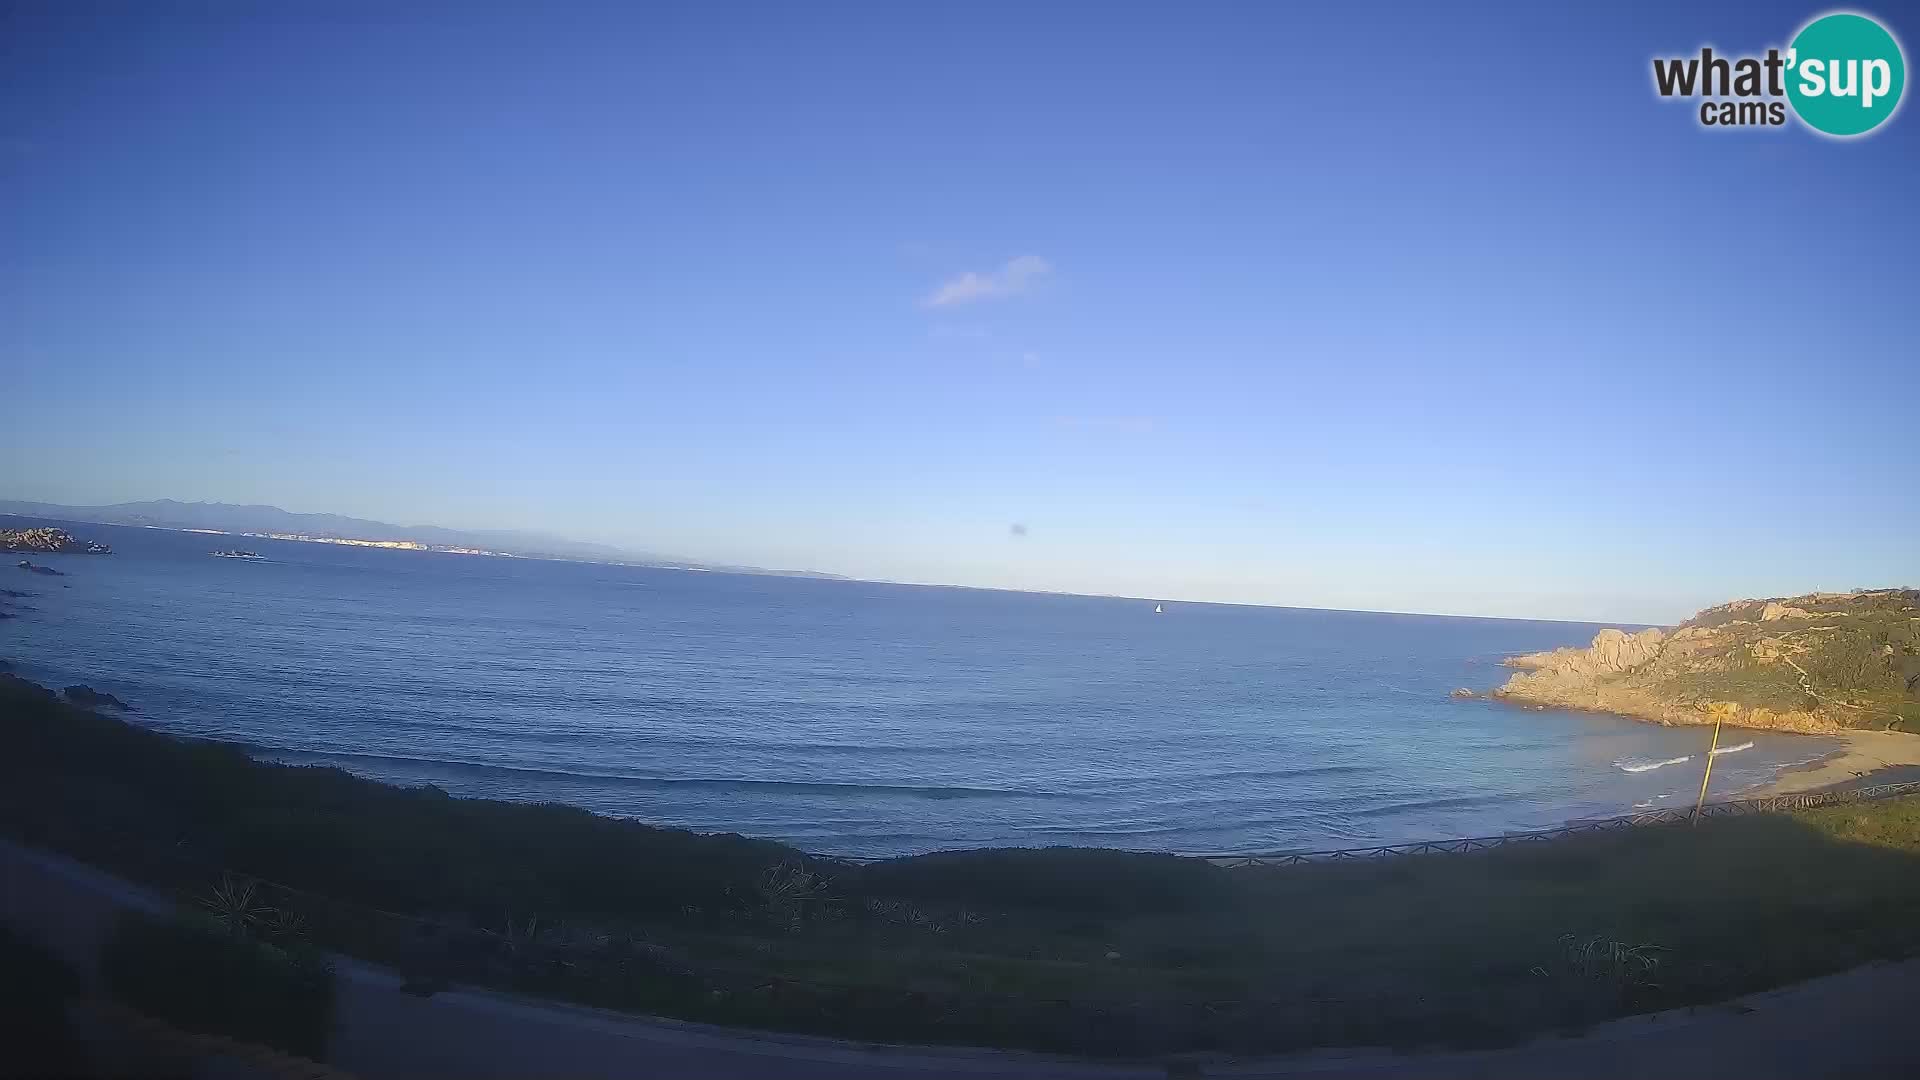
(850,717)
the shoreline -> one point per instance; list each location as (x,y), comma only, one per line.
(1867,759)
(1663,715)
(713,938)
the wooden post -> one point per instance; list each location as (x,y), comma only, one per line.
(1719,714)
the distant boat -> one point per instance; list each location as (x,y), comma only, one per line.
(1157,610)
(234,554)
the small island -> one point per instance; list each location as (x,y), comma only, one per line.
(44,541)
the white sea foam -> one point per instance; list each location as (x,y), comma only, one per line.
(1643,765)
(1732,749)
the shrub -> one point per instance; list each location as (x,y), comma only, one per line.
(789,893)
(138,800)
(200,977)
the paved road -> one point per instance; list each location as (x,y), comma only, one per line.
(1858,1024)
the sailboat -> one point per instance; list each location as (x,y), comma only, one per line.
(1156,609)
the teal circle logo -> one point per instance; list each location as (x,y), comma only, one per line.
(1845,74)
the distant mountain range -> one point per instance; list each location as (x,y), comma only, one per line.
(229,517)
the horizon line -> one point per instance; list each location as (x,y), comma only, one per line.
(817,575)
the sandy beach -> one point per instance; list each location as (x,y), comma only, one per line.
(1867,759)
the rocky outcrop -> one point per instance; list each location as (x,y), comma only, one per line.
(90,698)
(35,568)
(49,541)
(1820,663)
(1612,652)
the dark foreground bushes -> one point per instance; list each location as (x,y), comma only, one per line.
(203,978)
(1088,951)
(35,987)
(127,797)
(142,802)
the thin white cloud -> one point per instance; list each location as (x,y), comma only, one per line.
(1015,277)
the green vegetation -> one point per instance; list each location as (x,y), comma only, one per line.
(1098,952)
(218,975)
(1860,662)
(1821,662)
(1854,657)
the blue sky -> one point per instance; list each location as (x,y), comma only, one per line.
(1404,306)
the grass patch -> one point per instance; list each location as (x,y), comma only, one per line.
(1808,663)
(205,976)
(1090,881)
(1098,952)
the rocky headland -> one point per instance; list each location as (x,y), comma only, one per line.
(1820,664)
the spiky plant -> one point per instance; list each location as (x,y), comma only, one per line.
(231,904)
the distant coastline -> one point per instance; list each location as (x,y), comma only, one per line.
(347,541)
(452,549)
(70,516)
(261,521)
(272,523)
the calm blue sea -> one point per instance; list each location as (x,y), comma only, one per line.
(848,717)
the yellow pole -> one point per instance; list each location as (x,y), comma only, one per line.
(1718,715)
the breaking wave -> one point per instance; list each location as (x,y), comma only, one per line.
(1643,765)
